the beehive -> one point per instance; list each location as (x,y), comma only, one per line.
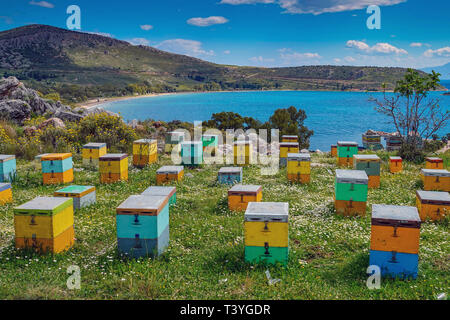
(143,226)
(351,189)
(345,152)
(267,232)
(287,138)
(372,142)
(169,192)
(240,195)
(192,153)
(92,152)
(299,167)
(7,167)
(432,204)
(434,163)
(394,243)
(210,143)
(285,149)
(169,173)
(393,143)
(371,164)
(230,175)
(436,179)
(57,168)
(395,164)
(113,167)
(173,139)
(5,193)
(145,152)
(243,152)
(82,196)
(334,150)
(45,224)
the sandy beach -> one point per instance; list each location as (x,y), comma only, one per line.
(100,101)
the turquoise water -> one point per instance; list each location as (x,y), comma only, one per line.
(332,115)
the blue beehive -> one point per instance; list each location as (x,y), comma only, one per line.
(7,167)
(230,175)
(192,152)
(143,226)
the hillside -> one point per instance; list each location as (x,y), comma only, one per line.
(443,70)
(82,65)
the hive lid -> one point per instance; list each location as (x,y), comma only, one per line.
(289,137)
(351,176)
(289,144)
(244,189)
(6,157)
(159,191)
(170,169)
(435,172)
(56,156)
(94,145)
(433,197)
(399,216)
(145,141)
(299,157)
(395,158)
(347,144)
(267,212)
(143,205)
(113,157)
(75,190)
(4,186)
(228,170)
(367,157)
(434,159)
(44,206)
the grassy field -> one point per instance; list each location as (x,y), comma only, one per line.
(328,258)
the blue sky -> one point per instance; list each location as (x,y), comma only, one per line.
(414,33)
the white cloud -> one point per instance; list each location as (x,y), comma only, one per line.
(419,44)
(292,58)
(43,4)
(442,52)
(206,22)
(183,46)
(227,52)
(146,27)
(139,41)
(103,34)
(260,59)
(379,48)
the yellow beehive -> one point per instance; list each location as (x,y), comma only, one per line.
(242,153)
(285,149)
(299,167)
(5,193)
(145,152)
(436,179)
(432,204)
(287,138)
(92,152)
(113,168)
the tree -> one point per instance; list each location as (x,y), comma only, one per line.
(416,117)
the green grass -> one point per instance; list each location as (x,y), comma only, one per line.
(328,258)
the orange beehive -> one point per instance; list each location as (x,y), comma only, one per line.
(240,195)
(60,243)
(58,177)
(395,164)
(432,204)
(436,179)
(350,208)
(434,163)
(334,150)
(167,174)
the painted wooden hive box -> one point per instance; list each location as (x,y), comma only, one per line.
(394,243)
(334,150)
(432,205)
(371,164)
(289,138)
(372,142)
(393,143)
(57,168)
(242,152)
(113,167)
(345,152)
(240,195)
(168,174)
(395,164)
(145,152)
(351,189)
(92,152)
(192,153)
(230,175)
(143,226)
(82,196)
(210,142)
(6,195)
(299,167)
(45,224)
(7,167)
(434,163)
(435,179)
(285,149)
(169,192)
(266,229)
(173,139)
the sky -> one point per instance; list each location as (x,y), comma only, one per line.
(267,33)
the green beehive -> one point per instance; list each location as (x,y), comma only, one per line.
(370,163)
(346,149)
(351,185)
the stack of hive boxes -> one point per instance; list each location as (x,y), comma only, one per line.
(82,196)
(395,164)
(393,143)
(267,232)
(434,163)
(192,153)
(169,173)
(345,152)
(113,167)
(240,195)
(436,180)
(371,164)
(287,138)
(5,193)
(432,204)
(210,143)
(173,139)
(243,152)
(145,152)
(230,175)
(394,244)
(57,168)
(299,167)
(45,224)
(285,149)
(169,192)
(143,225)
(372,141)
(351,189)
(91,152)
(334,150)
(7,167)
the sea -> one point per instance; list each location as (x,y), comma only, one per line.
(332,115)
